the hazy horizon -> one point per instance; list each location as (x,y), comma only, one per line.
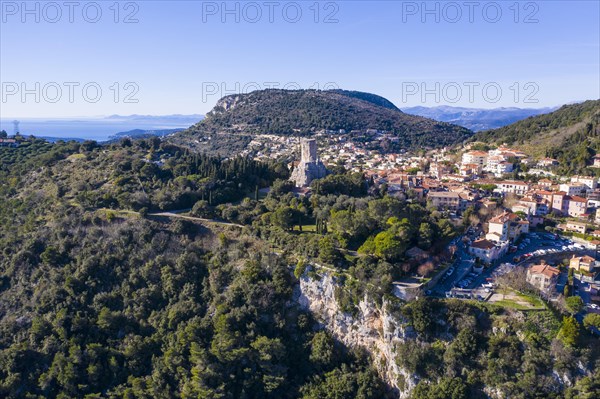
(106,116)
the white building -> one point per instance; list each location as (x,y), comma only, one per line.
(590,182)
(573,188)
(543,277)
(488,251)
(476,157)
(511,186)
(506,227)
(500,168)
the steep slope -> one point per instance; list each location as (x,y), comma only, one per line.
(570,134)
(98,302)
(304,112)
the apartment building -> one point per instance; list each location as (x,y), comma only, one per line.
(506,227)
(476,157)
(512,186)
(573,188)
(564,204)
(445,200)
(577,227)
(590,182)
(488,251)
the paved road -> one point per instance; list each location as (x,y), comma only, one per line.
(174,214)
(177,214)
(462,265)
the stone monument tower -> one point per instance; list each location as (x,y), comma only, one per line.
(310,167)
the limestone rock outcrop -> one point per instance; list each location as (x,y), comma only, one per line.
(372,328)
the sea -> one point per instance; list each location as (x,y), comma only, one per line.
(98,128)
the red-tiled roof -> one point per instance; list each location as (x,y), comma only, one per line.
(575,198)
(483,244)
(477,153)
(546,270)
(586,259)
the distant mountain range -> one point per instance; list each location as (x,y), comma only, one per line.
(305,112)
(477,119)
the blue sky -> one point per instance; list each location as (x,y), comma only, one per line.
(181,56)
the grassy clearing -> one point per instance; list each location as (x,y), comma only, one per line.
(517,300)
(75,157)
(508,303)
(307,228)
(121,213)
(533,301)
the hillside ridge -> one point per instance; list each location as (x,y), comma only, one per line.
(306,112)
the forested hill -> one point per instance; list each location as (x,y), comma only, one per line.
(570,134)
(102,297)
(100,301)
(289,112)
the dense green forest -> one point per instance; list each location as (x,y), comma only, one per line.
(100,296)
(517,353)
(101,303)
(307,111)
(570,134)
(143,174)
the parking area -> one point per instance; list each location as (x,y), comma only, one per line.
(462,265)
(465,276)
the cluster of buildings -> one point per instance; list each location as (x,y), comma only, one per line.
(545,277)
(479,183)
(503,230)
(271,146)
(349,149)
(478,180)
(497,162)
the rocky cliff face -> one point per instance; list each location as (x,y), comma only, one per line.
(372,328)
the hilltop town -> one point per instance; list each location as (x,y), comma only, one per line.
(516,208)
